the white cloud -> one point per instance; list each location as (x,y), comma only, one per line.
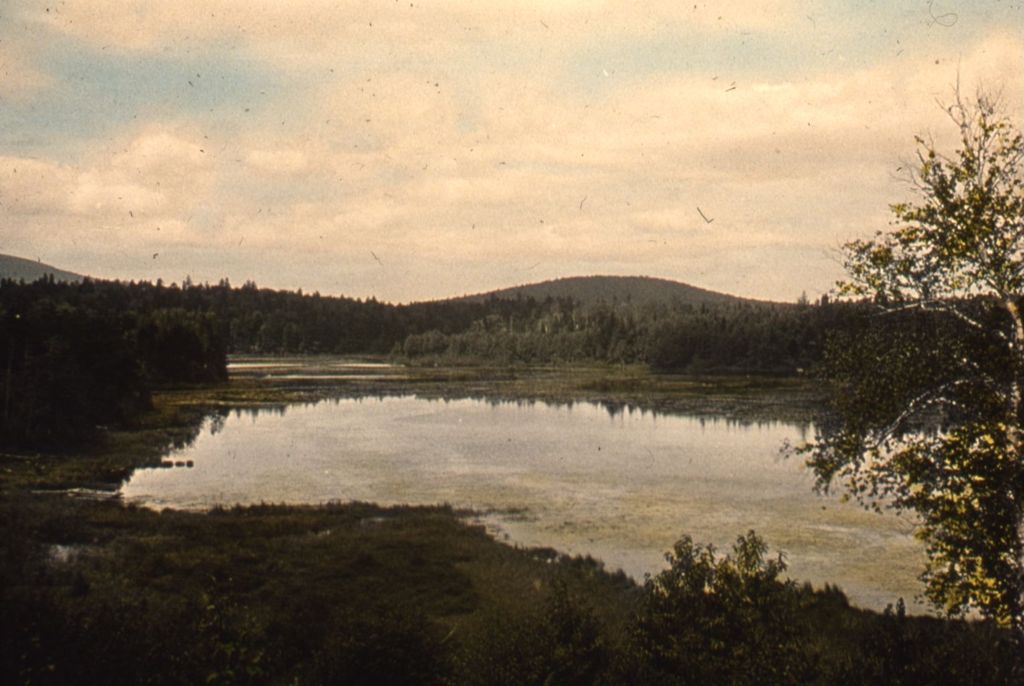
(164,152)
(96,194)
(279,161)
(33,187)
(20,80)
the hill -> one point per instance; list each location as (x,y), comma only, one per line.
(20,269)
(592,289)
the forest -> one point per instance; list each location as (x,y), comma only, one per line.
(742,335)
(726,337)
(77,357)
(731,335)
(81,355)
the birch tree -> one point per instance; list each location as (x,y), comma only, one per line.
(929,388)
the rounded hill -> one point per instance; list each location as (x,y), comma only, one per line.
(593,289)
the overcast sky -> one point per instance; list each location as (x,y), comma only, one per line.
(417,150)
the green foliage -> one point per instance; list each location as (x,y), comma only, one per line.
(362,594)
(727,336)
(928,410)
(176,345)
(74,357)
(593,290)
(183,333)
(728,621)
(393,647)
(559,641)
(64,371)
(902,651)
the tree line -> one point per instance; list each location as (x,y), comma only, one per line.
(668,335)
(75,357)
(673,336)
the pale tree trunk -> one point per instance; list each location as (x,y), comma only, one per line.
(1016,441)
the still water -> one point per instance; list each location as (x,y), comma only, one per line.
(620,485)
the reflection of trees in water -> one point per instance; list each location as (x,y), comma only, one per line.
(616,409)
(254,411)
(216,422)
(181,438)
(188,435)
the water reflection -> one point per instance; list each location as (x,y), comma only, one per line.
(614,409)
(619,481)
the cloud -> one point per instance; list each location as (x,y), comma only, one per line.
(475,140)
(304,24)
(156,175)
(33,187)
(20,80)
(95,194)
(281,161)
(162,152)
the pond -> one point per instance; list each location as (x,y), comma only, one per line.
(619,484)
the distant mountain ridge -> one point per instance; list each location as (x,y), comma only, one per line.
(587,290)
(20,269)
(593,289)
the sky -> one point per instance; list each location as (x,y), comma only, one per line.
(420,150)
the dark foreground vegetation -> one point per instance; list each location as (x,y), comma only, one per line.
(100,593)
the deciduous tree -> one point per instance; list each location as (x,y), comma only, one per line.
(928,410)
